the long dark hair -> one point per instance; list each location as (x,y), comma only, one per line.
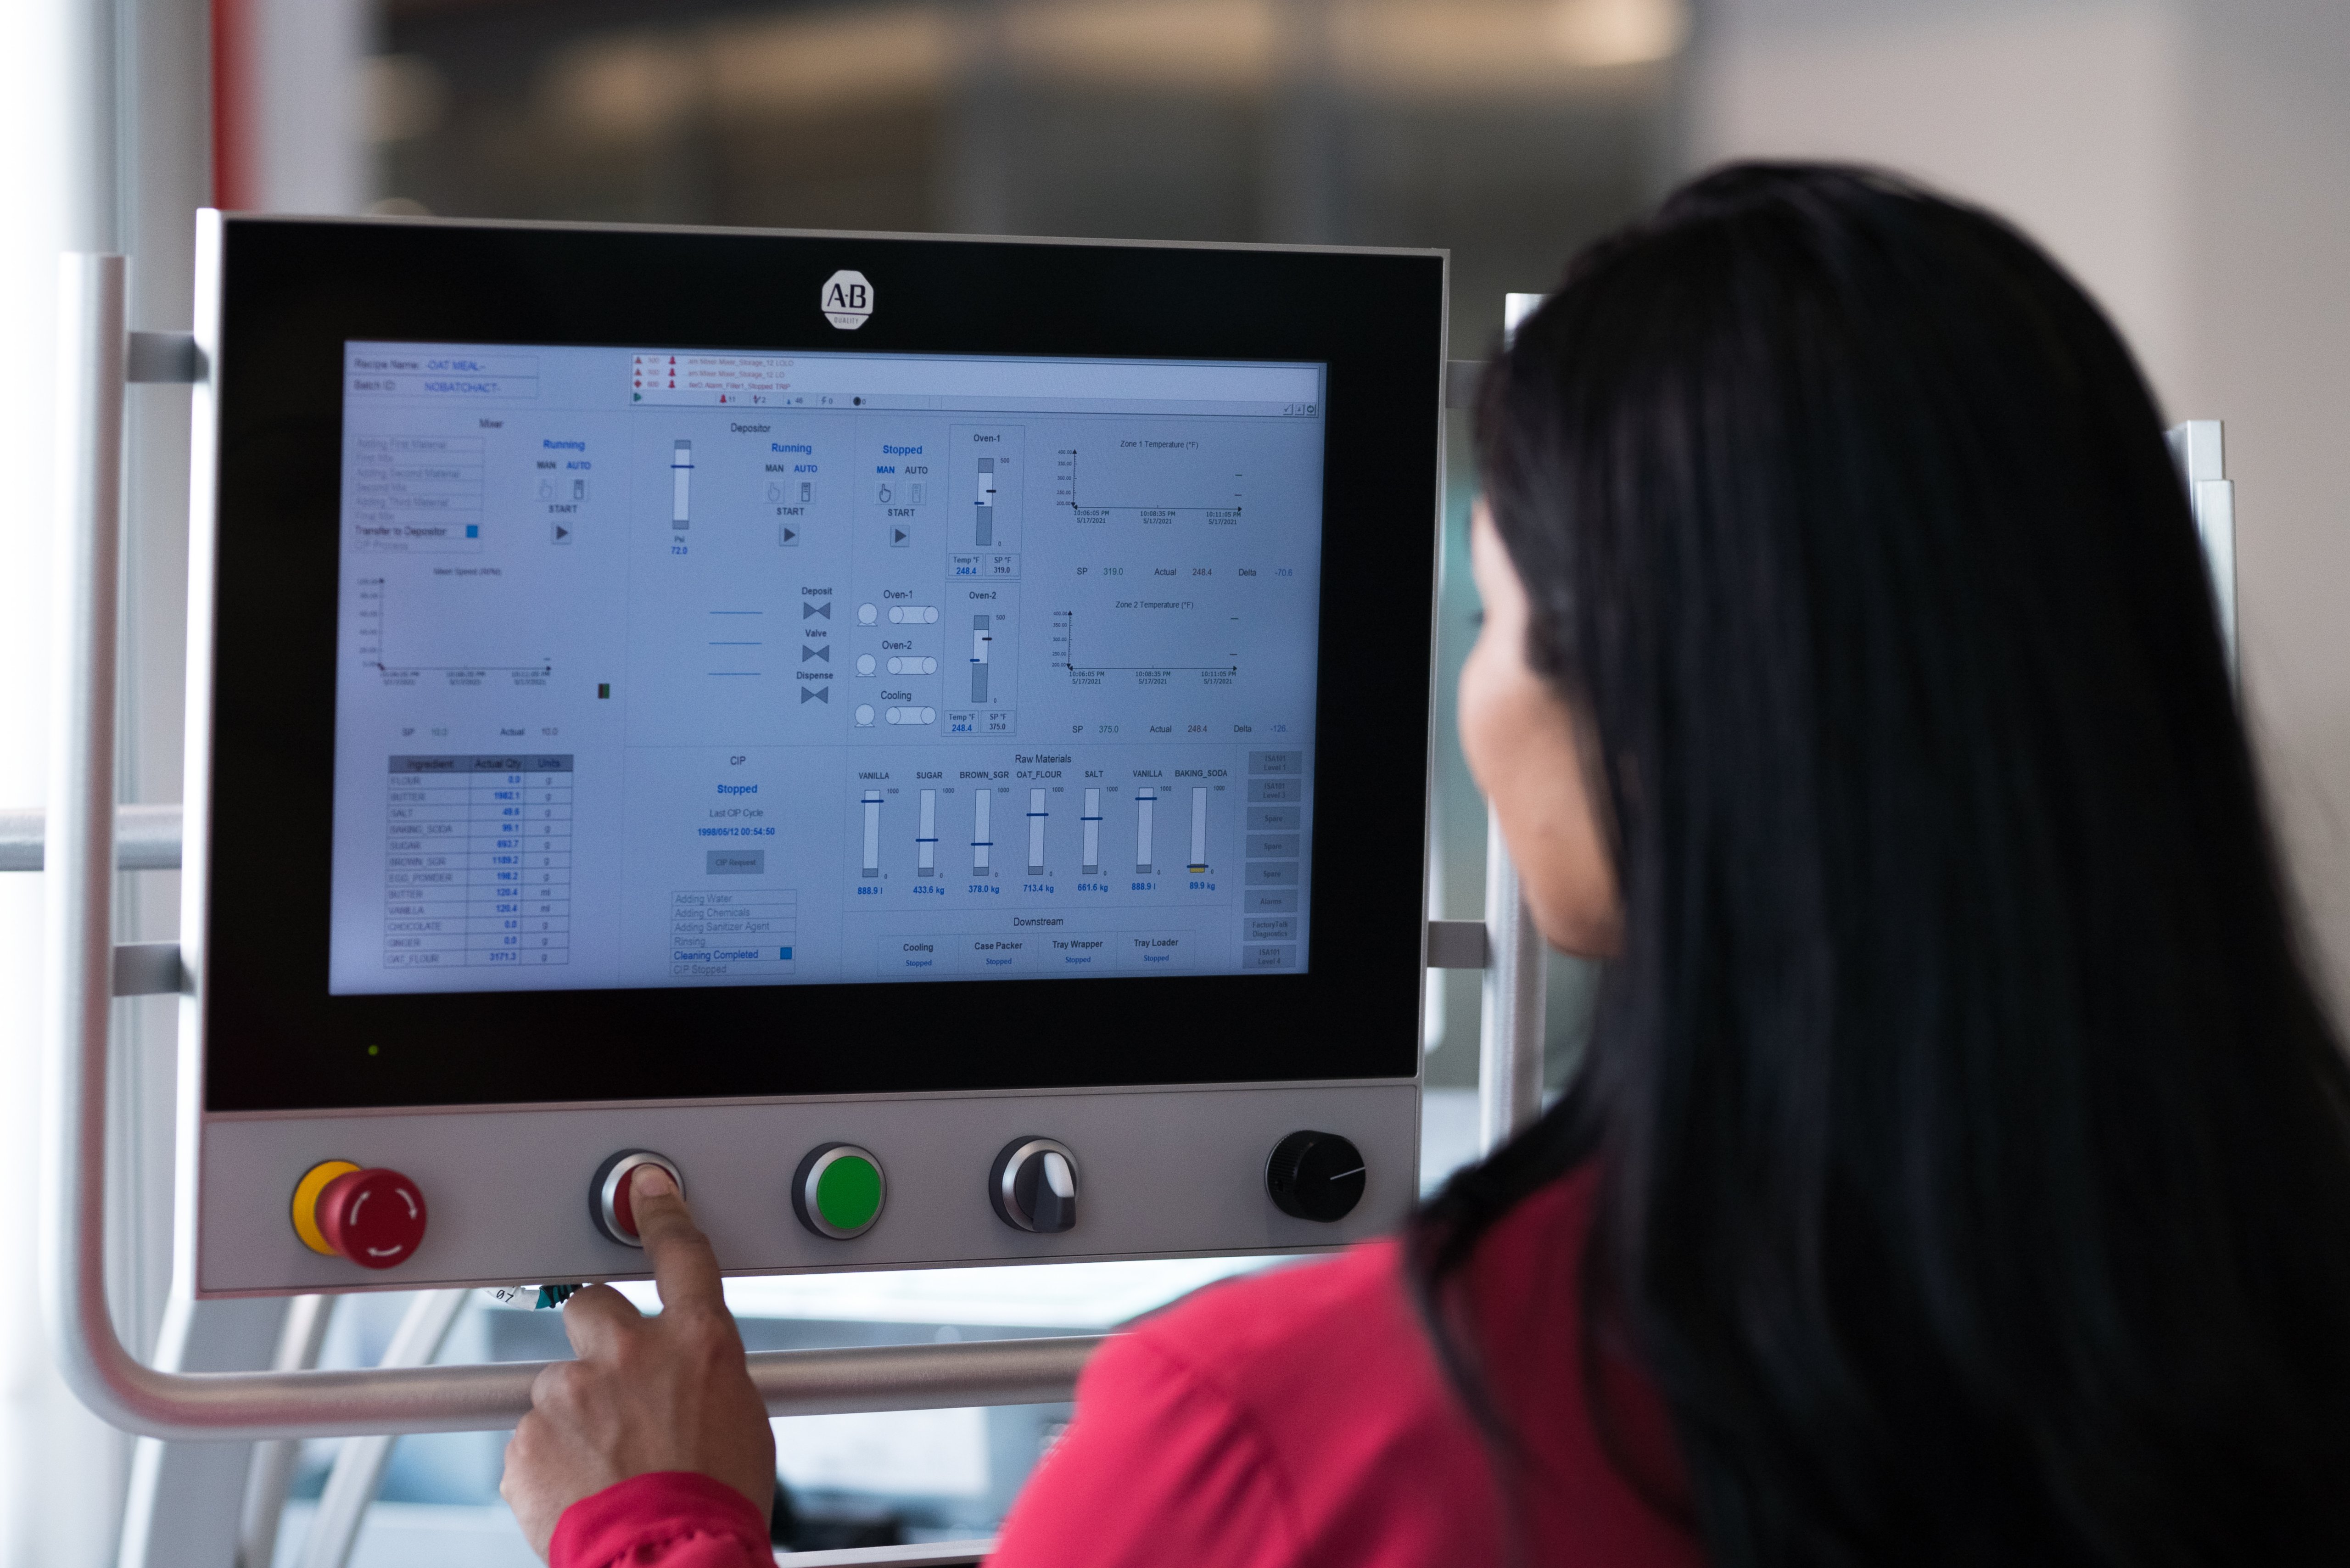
(1974,1154)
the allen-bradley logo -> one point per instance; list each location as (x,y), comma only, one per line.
(846,300)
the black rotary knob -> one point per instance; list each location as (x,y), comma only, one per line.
(1315,1175)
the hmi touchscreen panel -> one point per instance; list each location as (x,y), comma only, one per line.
(667,667)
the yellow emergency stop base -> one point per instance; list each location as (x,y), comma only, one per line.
(305,1203)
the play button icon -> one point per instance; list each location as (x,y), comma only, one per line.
(898,536)
(561,534)
(791,536)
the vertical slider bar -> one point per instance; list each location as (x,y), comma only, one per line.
(681,482)
(872,804)
(984,533)
(980,844)
(980,639)
(926,842)
(1199,864)
(1035,825)
(1145,801)
(1092,820)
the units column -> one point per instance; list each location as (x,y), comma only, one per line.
(546,860)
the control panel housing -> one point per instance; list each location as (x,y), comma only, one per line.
(1163,1173)
(742,696)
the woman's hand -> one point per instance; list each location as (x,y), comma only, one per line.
(647,1394)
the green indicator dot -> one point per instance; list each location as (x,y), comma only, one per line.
(849,1193)
(373,1049)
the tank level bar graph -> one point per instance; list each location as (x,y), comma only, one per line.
(681,484)
(932,817)
(982,636)
(983,534)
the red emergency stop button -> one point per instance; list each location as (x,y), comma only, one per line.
(373,1217)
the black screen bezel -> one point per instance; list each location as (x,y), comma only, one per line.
(293,292)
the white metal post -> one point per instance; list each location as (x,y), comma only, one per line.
(2198,449)
(1510,1042)
(359,1469)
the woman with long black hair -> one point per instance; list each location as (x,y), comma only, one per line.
(1959,1171)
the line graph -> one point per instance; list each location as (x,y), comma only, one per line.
(1155,478)
(1146,637)
(395,648)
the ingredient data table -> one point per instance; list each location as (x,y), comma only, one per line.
(478,856)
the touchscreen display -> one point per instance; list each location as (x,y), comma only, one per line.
(664,667)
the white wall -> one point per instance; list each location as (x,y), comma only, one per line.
(311,152)
(2189,160)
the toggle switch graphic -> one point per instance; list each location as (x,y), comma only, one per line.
(373,1217)
(608,1202)
(1315,1175)
(1034,1186)
(838,1191)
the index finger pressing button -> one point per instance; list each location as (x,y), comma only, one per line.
(608,1200)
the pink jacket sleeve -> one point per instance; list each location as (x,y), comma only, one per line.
(674,1518)
(1159,1467)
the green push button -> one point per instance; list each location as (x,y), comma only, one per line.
(838,1191)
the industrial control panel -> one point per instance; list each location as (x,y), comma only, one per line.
(925,739)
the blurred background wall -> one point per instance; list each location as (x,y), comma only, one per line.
(2190,160)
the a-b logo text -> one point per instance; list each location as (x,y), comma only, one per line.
(846,300)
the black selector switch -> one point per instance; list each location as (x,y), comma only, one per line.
(1315,1175)
(1034,1185)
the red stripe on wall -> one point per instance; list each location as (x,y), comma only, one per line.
(234,174)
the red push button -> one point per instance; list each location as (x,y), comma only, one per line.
(610,1202)
(374,1218)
